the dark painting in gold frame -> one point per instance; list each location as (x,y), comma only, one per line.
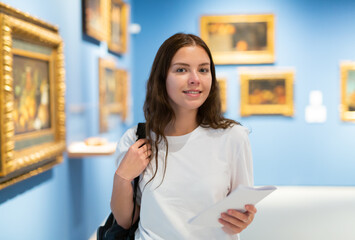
(31,45)
(222,85)
(123,89)
(118,26)
(113,92)
(32,110)
(240,39)
(266,91)
(95,19)
(108,95)
(347,73)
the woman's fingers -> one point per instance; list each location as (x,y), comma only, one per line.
(246,217)
(251,208)
(146,150)
(140,143)
(135,160)
(234,221)
(239,215)
(230,228)
(148,153)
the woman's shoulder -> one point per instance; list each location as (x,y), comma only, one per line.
(129,136)
(235,131)
(237,134)
(239,130)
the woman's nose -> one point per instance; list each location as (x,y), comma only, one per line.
(194,78)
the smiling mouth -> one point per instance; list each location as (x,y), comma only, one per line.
(192,92)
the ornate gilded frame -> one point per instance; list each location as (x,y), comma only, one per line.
(222,84)
(220,33)
(123,89)
(281,78)
(92,16)
(108,94)
(118,21)
(347,78)
(23,156)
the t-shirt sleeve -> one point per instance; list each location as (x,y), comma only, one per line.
(126,141)
(242,162)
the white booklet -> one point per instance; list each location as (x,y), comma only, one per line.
(240,197)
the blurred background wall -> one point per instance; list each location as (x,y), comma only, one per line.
(312,37)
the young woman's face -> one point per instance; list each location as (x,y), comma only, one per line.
(189,79)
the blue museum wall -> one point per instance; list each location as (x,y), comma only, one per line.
(72,199)
(312,37)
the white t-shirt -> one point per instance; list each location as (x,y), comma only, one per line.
(203,167)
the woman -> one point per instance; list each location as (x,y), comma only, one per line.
(192,158)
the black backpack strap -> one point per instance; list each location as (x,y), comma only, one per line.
(141,131)
(140,135)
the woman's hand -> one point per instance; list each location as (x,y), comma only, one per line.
(235,222)
(135,160)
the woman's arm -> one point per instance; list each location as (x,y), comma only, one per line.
(132,165)
(232,220)
(122,202)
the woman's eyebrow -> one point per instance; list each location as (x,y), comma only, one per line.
(185,64)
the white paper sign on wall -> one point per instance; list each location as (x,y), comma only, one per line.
(316,112)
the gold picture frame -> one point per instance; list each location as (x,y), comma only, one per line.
(266,91)
(32,98)
(347,78)
(107,92)
(95,20)
(113,86)
(122,77)
(240,39)
(118,26)
(222,84)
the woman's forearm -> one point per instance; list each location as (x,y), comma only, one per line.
(122,202)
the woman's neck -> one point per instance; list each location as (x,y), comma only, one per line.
(182,125)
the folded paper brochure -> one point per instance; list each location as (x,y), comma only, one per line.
(240,197)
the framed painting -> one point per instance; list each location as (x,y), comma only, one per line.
(239,39)
(32,100)
(108,92)
(95,19)
(222,84)
(266,91)
(32,106)
(123,89)
(347,73)
(118,26)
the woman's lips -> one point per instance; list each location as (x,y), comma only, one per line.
(193,93)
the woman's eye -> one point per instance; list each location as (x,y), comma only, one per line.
(204,70)
(181,70)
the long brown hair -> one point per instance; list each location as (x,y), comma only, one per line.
(157,109)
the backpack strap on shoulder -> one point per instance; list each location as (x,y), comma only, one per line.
(140,135)
(141,131)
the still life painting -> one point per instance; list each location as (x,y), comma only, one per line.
(240,39)
(118,25)
(32,90)
(94,19)
(347,72)
(32,111)
(266,91)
